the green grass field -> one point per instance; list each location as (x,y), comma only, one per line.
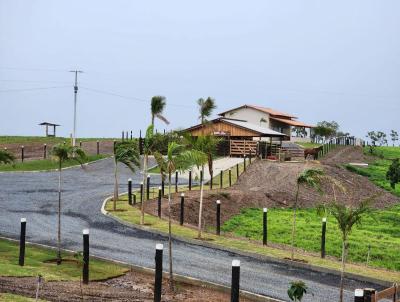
(45,164)
(44,140)
(16,298)
(381,230)
(35,264)
(376,171)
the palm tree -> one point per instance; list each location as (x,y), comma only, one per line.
(6,157)
(177,159)
(127,153)
(62,153)
(206,107)
(158,104)
(297,290)
(346,218)
(310,178)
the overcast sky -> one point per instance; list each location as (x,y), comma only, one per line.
(320,60)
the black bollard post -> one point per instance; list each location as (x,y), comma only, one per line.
(359,295)
(141,191)
(211,179)
(176,181)
(85,270)
(148,187)
(218,217)
(235,281)
(190,180)
(182,208)
(265,226)
(114,143)
(98,147)
(134,199)
(131,135)
(237,172)
(250,157)
(201,176)
(323,237)
(22,242)
(159,201)
(80,144)
(158,273)
(22,153)
(368,292)
(230,177)
(244,164)
(221,179)
(44,151)
(130,191)
(162,187)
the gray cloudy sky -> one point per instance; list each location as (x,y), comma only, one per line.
(321,60)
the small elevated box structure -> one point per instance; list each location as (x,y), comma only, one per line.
(47,124)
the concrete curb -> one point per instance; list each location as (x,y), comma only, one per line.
(56,170)
(300,265)
(179,278)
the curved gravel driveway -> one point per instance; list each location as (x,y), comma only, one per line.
(34,196)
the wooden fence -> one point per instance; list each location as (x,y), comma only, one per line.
(242,147)
(390,294)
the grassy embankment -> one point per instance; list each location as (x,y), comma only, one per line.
(45,164)
(309,145)
(44,140)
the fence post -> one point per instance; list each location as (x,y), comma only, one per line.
(131,135)
(218,217)
(22,153)
(148,187)
(162,186)
(211,179)
(85,270)
(221,179)
(141,191)
(158,272)
(190,180)
(237,172)
(235,281)
(80,144)
(44,151)
(98,147)
(323,237)
(369,295)
(359,295)
(123,136)
(250,157)
(182,208)
(159,201)
(244,163)
(265,226)
(230,177)
(201,177)
(176,181)
(130,191)
(22,242)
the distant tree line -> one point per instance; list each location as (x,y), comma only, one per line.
(326,130)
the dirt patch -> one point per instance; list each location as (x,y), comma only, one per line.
(133,286)
(273,184)
(345,155)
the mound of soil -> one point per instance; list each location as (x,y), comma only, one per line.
(133,286)
(273,184)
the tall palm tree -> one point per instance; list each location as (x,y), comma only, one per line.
(158,104)
(346,218)
(206,107)
(127,153)
(310,178)
(6,157)
(177,159)
(62,153)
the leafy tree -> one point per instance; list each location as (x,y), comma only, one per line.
(382,140)
(158,104)
(393,173)
(6,157)
(373,136)
(299,131)
(177,159)
(325,130)
(310,178)
(297,290)
(127,153)
(394,136)
(346,218)
(62,153)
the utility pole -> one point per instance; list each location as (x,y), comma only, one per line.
(75,98)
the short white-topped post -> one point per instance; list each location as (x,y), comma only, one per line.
(158,272)
(22,239)
(85,269)
(235,284)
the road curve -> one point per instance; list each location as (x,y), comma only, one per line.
(34,196)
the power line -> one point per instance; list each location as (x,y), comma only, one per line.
(33,69)
(30,89)
(29,81)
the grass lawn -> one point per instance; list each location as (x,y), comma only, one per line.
(132,215)
(381,231)
(44,140)
(45,164)
(376,171)
(16,298)
(309,145)
(35,264)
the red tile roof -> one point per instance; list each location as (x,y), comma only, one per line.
(263,109)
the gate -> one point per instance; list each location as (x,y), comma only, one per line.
(242,147)
(387,294)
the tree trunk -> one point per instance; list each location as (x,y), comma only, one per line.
(294,221)
(145,159)
(59,215)
(344,251)
(201,205)
(171,277)
(115,186)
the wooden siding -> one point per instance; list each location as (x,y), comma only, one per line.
(221,127)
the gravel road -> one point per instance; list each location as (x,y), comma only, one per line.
(34,196)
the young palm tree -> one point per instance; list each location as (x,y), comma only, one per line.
(177,159)
(346,218)
(297,290)
(62,153)
(6,157)
(206,107)
(310,178)
(158,104)
(127,153)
